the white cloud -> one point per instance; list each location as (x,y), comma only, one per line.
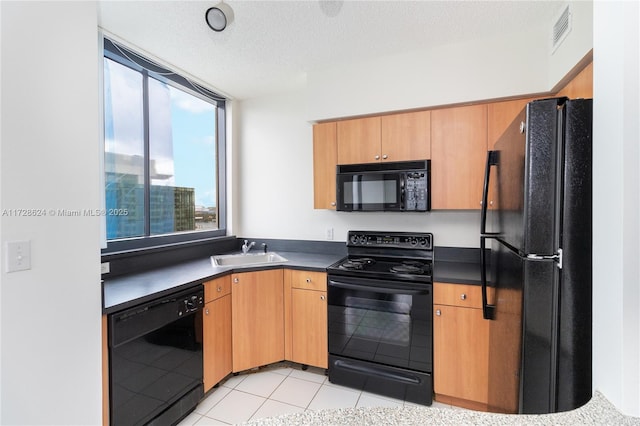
(190,103)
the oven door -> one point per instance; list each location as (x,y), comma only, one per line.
(380,337)
(381,321)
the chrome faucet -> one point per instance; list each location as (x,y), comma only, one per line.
(247,246)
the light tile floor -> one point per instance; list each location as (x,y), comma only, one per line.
(279,389)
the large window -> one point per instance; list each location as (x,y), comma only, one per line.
(164,154)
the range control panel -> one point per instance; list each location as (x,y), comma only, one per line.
(403,240)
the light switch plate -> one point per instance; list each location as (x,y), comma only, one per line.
(104,268)
(18,256)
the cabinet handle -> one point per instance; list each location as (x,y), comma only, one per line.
(236,280)
(384,157)
(322,297)
(377,157)
(463,296)
(333,203)
(206,311)
(438,312)
(219,289)
(308,280)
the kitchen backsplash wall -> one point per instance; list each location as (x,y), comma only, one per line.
(274,184)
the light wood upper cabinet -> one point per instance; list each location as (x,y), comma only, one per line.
(458,156)
(581,86)
(500,115)
(359,140)
(325,159)
(460,347)
(407,136)
(395,137)
(257,318)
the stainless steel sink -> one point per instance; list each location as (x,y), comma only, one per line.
(251,259)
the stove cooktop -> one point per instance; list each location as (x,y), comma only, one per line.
(406,269)
(406,256)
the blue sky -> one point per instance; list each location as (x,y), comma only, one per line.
(194,148)
(182,131)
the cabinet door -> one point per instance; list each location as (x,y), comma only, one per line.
(458,156)
(499,117)
(309,280)
(359,141)
(309,327)
(217,361)
(407,136)
(257,318)
(325,159)
(581,86)
(460,355)
(217,288)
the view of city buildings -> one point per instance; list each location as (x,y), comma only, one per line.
(172,207)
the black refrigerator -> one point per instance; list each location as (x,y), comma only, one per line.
(535,238)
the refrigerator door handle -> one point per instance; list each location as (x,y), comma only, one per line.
(492,160)
(487,309)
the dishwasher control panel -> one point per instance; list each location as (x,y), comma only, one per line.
(191,304)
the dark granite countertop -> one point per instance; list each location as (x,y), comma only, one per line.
(456,272)
(126,291)
(454,266)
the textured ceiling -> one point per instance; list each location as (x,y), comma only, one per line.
(270,45)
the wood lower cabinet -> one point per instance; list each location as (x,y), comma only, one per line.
(460,346)
(216,330)
(458,157)
(257,318)
(308,317)
(325,159)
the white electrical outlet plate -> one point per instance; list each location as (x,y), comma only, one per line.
(18,256)
(104,268)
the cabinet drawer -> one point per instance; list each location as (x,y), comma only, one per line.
(309,280)
(217,288)
(457,295)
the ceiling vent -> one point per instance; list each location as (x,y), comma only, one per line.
(561,28)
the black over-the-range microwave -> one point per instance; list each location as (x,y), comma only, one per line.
(398,187)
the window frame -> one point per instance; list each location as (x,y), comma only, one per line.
(149,69)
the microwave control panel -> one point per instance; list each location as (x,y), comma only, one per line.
(416,197)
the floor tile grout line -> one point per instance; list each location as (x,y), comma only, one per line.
(313,397)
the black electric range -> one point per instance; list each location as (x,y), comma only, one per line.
(380,307)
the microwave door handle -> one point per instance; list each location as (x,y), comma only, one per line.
(492,160)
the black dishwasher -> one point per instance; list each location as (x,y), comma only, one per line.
(155,360)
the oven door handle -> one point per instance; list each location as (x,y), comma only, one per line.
(410,290)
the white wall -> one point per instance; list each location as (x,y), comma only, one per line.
(275,183)
(616,212)
(274,139)
(50,315)
(510,65)
(576,45)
